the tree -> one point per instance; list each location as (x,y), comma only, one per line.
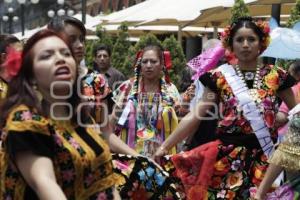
(104,37)
(178,58)
(89,52)
(128,69)
(145,40)
(293,19)
(238,10)
(120,49)
(295,15)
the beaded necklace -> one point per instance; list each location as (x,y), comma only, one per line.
(148,104)
(256,80)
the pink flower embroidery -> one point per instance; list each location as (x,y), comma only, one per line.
(74,143)
(68,175)
(26,115)
(221,194)
(89,179)
(8,198)
(102,196)
(58,140)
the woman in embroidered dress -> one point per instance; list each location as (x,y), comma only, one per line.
(146,103)
(75,30)
(94,93)
(144,116)
(46,154)
(285,157)
(245,95)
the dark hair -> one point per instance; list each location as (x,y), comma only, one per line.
(137,69)
(246,22)
(58,23)
(102,47)
(6,40)
(157,48)
(294,66)
(20,89)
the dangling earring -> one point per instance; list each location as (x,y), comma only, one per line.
(37,92)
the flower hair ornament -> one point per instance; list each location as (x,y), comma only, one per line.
(262,25)
(12,62)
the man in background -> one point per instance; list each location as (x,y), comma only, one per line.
(102,64)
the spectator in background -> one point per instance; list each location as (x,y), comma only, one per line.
(282,120)
(102,64)
(284,110)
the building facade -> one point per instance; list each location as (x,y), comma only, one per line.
(35,15)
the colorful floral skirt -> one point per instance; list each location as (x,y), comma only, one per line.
(288,191)
(215,171)
(237,171)
(141,179)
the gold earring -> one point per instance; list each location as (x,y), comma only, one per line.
(37,92)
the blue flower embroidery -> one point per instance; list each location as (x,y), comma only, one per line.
(159,178)
(142,175)
(150,171)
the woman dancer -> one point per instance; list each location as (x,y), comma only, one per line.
(147,102)
(47,155)
(245,96)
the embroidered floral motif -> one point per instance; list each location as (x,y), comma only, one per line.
(69,154)
(229,109)
(145,180)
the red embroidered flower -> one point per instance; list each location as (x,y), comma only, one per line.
(269,117)
(13,61)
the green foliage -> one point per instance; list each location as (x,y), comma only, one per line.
(104,37)
(282,63)
(89,53)
(120,49)
(178,59)
(145,40)
(238,10)
(293,19)
(295,15)
(128,69)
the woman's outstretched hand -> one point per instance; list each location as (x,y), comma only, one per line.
(160,152)
(258,196)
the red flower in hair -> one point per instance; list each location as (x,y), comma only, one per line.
(230,57)
(13,61)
